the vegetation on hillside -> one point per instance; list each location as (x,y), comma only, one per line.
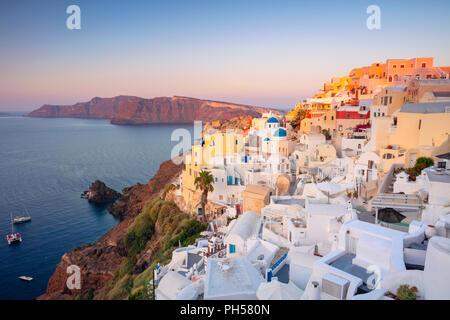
(160,228)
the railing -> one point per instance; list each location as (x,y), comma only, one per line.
(277,265)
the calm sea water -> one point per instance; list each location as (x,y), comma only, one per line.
(45,164)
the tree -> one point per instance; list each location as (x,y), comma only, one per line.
(326,134)
(299,116)
(204,182)
(428,162)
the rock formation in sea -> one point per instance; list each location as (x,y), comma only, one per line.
(99,261)
(128,110)
(100,193)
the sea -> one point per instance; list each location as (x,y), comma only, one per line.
(45,165)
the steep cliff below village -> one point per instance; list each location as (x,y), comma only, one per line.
(99,262)
(128,110)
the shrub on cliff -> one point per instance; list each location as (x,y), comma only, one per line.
(162,224)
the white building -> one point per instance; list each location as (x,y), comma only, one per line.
(245,227)
(231,279)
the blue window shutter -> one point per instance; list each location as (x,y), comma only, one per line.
(232,248)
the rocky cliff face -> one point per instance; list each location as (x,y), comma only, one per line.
(99,261)
(100,193)
(140,111)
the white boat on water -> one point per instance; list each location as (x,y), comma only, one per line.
(23,218)
(25,278)
(13,237)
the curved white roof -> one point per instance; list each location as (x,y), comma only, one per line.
(245,226)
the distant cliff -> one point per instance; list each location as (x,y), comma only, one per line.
(140,111)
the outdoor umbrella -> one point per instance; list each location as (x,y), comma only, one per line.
(390,215)
(330,188)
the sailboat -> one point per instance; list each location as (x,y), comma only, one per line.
(23,218)
(13,237)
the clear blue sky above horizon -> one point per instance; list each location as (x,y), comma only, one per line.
(269,53)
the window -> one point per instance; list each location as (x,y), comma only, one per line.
(332,117)
(402,66)
(325,118)
(390,100)
(348,115)
(394,66)
(216,179)
(420,124)
(232,248)
(361,116)
(190,172)
(382,114)
(424,65)
(359,145)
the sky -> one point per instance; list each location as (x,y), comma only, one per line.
(257,52)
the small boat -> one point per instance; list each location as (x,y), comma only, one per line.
(22,219)
(25,278)
(13,237)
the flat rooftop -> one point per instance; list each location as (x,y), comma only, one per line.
(345,264)
(240,278)
(291,201)
(436,176)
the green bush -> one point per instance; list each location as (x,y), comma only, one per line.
(141,294)
(190,231)
(428,162)
(404,292)
(421,164)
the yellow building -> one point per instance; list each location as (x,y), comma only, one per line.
(193,166)
(316,121)
(388,101)
(220,144)
(422,129)
(214,148)
(255,198)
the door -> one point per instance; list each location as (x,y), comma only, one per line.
(412,160)
(351,244)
